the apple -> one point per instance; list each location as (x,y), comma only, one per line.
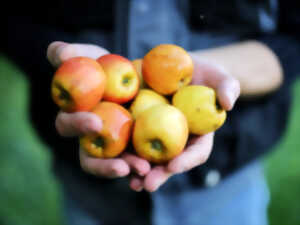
(78,84)
(166,68)
(122,78)
(145,99)
(112,140)
(200,106)
(137,63)
(160,133)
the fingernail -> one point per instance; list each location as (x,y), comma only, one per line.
(231,98)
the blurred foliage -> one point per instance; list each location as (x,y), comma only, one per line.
(28,191)
(283,171)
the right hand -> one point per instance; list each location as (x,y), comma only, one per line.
(82,123)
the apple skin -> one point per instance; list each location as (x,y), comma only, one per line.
(166,68)
(145,99)
(137,63)
(78,84)
(200,106)
(112,140)
(160,133)
(122,78)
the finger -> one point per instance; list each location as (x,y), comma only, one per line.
(216,77)
(139,165)
(228,92)
(78,123)
(109,168)
(155,178)
(136,183)
(194,155)
(59,52)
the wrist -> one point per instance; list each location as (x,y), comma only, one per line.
(252,63)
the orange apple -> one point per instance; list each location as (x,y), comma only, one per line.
(166,68)
(137,63)
(114,136)
(160,133)
(122,78)
(78,84)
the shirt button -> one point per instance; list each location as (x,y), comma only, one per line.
(212,178)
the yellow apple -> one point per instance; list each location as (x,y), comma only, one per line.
(145,99)
(160,133)
(200,106)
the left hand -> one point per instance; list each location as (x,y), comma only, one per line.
(199,148)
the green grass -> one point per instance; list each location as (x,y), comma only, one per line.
(283,171)
(29,194)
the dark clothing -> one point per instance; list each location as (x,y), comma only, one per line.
(133,27)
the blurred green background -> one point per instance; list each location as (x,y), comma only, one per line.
(29,193)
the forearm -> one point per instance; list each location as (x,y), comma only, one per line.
(254,64)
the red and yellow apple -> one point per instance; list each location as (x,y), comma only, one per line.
(115,134)
(78,84)
(166,68)
(122,78)
(137,63)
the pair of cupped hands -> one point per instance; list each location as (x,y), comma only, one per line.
(139,171)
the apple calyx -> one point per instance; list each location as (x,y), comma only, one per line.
(99,142)
(62,95)
(126,80)
(157,145)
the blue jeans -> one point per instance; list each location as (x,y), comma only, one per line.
(241,199)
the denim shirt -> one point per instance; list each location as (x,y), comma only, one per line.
(143,24)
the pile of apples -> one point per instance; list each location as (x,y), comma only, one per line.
(148,101)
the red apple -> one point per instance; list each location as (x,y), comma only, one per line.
(78,84)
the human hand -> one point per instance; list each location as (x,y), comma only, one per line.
(198,148)
(82,123)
